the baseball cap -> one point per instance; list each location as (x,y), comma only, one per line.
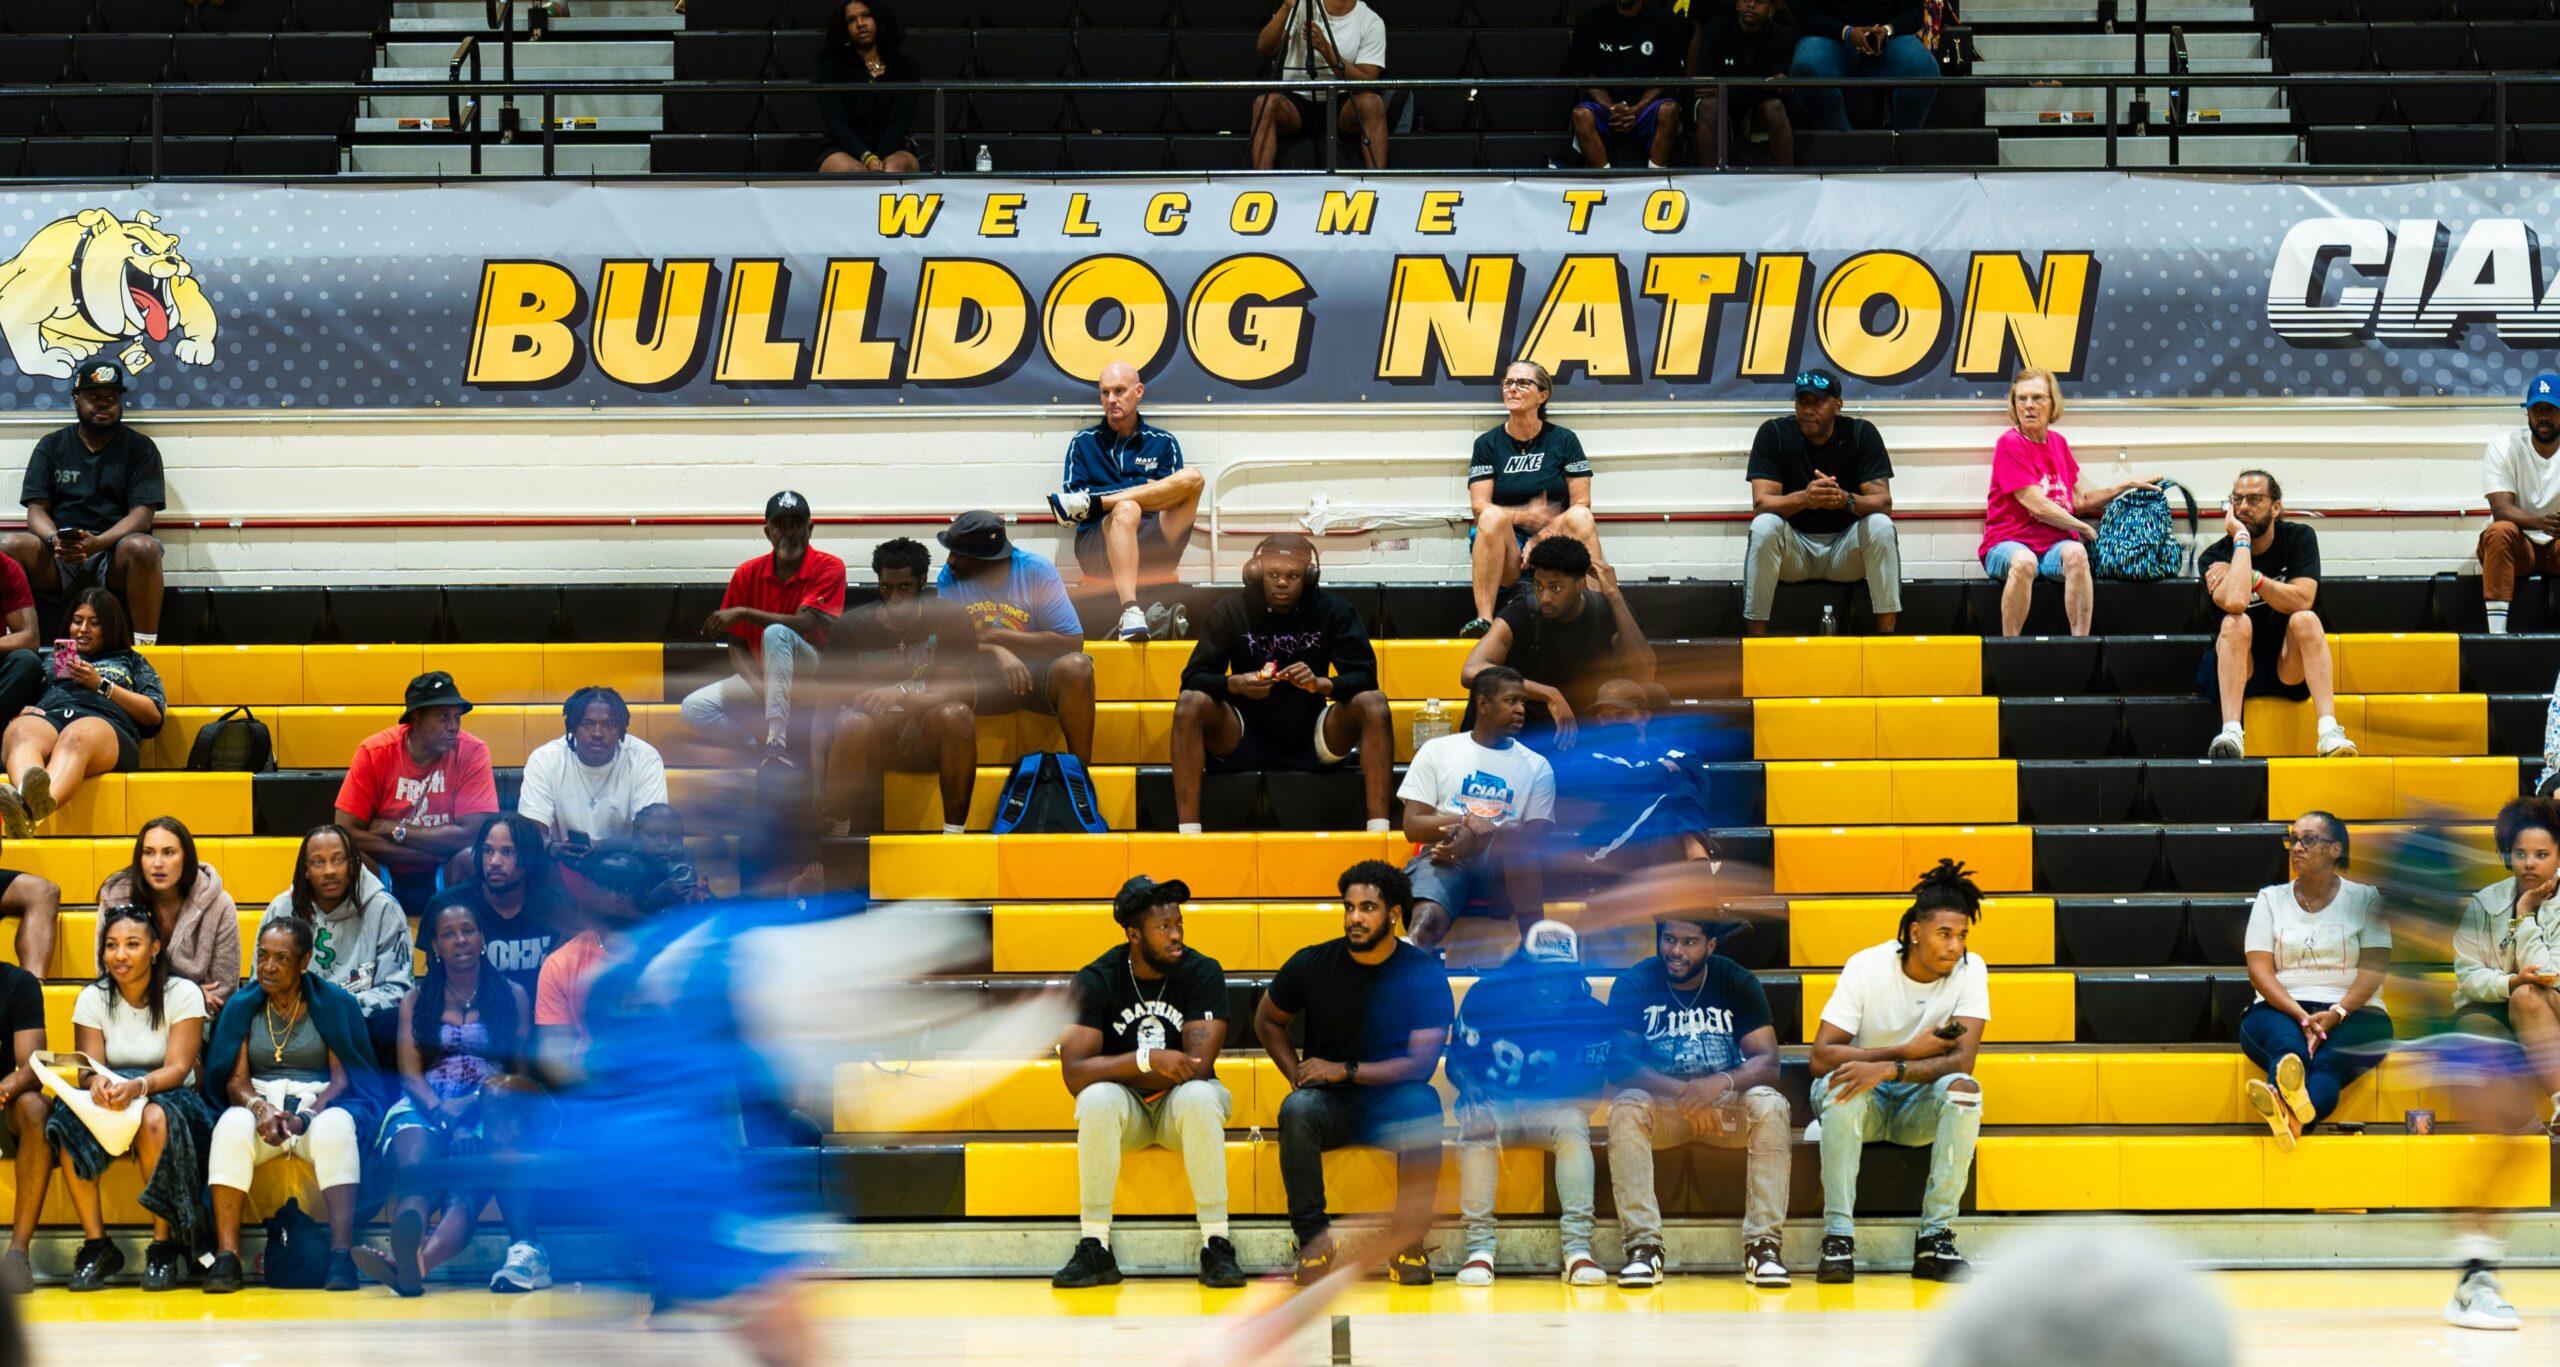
(1142,892)
(977,535)
(1552,942)
(1819,382)
(786,506)
(2544,389)
(103,375)
(435,688)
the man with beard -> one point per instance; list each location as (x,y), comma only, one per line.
(584,786)
(2522,481)
(2264,574)
(416,794)
(1377,1014)
(1697,1063)
(517,895)
(91,490)
(907,660)
(1282,678)
(1571,634)
(1822,506)
(1141,1061)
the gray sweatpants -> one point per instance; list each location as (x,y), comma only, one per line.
(1561,1127)
(1779,554)
(1191,1120)
(726,711)
(1640,1123)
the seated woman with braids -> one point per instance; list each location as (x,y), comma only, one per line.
(1893,1064)
(145,1024)
(465,1033)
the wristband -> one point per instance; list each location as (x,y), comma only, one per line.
(1899,1069)
(1143,1051)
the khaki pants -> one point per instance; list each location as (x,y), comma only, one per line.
(1640,1123)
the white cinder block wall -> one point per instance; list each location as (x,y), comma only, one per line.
(1395,464)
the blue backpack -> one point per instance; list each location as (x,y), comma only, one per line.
(1048,794)
(2138,537)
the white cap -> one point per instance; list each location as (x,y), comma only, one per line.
(1552,942)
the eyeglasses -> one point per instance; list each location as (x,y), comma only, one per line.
(1518,382)
(2250,500)
(2292,841)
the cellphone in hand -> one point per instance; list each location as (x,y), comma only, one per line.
(64,652)
(1950,1030)
(579,842)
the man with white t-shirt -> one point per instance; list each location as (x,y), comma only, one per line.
(1480,804)
(2522,481)
(1323,40)
(585,787)
(1893,1064)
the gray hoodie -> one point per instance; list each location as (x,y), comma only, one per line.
(362,944)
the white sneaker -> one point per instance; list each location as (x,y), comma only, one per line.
(1477,1271)
(2477,1304)
(1070,509)
(1644,1267)
(2334,743)
(1763,1264)
(2226,745)
(1581,1269)
(1133,623)
(527,1268)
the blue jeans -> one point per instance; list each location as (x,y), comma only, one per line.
(727,711)
(2048,565)
(1913,1114)
(2267,1035)
(1904,57)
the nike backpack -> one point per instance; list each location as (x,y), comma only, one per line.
(1048,794)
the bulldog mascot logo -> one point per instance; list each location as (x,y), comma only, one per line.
(94,283)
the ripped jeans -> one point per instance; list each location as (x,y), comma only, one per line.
(1914,1114)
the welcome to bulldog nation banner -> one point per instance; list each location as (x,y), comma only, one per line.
(1332,290)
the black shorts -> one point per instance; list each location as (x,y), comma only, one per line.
(1278,738)
(128,749)
(996,700)
(1154,552)
(2266,648)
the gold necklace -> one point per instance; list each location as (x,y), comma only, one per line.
(275,1037)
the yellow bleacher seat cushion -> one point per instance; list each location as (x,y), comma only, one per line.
(2425,724)
(1824,932)
(2281,726)
(2001,858)
(1059,867)
(2169,1089)
(1904,666)
(327,737)
(2354,789)
(1123,732)
(2397,662)
(1837,859)
(636,670)
(1817,728)
(2046,1172)
(209,804)
(364,673)
(1039,1179)
(1215,866)
(937,867)
(2471,785)
(1805,667)
(1830,792)
(1422,669)
(1937,728)
(96,809)
(1310,863)
(1287,927)
(1955,790)
(229,676)
(2026,1008)
(254,868)
(2038,1089)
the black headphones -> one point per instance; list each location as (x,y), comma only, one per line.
(1280,542)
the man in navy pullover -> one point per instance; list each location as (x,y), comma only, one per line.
(1128,497)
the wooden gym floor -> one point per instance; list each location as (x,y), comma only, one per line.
(1693,1321)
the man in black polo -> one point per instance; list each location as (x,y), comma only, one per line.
(1822,507)
(90,492)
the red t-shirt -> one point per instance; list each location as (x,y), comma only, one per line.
(15,593)
(819,584)
(383,781)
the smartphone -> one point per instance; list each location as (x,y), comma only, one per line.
(579,843)
(64,652)
(1950,1030)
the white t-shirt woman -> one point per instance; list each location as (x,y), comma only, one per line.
(134,1047)
(2316,952)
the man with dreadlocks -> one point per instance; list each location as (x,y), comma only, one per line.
(1893,1063)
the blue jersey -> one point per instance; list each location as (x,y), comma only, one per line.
(1531,1031)
(1100,461)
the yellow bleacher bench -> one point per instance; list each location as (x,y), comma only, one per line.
(1874,859)
(1880,792)
(2248,1172)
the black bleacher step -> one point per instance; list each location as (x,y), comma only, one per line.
(895,1181)
(2170,727)
(1228,802)
(2143,1008)
(2516,724)
(2220,859)
(2096,858)
(2060,727)
(2232,997)
(1672,609)
(2187,790)
(502,614)
(1933,607)
(2081,791)
(689,665)
(1427,610)
(2153,664)
(2132,932)
(2376,602)
(380,615)
(293,801)
(2170,605)
(2217,930)
(2038,666)
(623,612)
(182,616)
(265,616)
(2509,664)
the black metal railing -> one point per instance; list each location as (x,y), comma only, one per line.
(466,94)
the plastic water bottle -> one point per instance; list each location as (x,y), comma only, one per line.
(1830,621)
(1431,725)
(986,159)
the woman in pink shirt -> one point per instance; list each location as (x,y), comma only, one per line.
(2032,525)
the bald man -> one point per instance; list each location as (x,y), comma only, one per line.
(1129,499)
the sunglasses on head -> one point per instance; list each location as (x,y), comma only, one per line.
(1809,380)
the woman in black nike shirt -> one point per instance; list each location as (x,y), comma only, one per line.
(1527,480)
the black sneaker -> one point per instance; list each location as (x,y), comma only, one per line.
(1475,627)
(1764,1263)
(163,1268)
(1315,1260)
(96,1262)
(1934,1259)
(1218,1265)
(1839,1260)
(342,1272)
(1644,1267)
(223,1277)
(1411,1266)
(1091,1265)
